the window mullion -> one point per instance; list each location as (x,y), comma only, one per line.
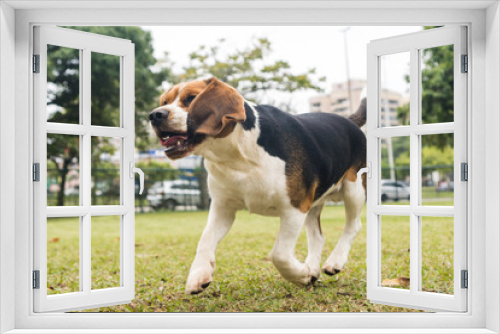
(85,164)
(414,171)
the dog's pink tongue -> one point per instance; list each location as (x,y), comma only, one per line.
(173,140)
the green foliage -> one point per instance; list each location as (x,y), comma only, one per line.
(247,69)
(156,171)
(153,164)
(64,93)
(431,156)
(400,147)
(147,80)
(437,90)
(105,175)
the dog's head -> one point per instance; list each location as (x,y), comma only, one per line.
(190,112)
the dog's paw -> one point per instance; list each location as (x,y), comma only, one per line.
(331,270)
(308,278)
(197,282)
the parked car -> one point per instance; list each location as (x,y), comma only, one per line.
(394,190)
(169,194)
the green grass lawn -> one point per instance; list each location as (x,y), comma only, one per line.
(245,280)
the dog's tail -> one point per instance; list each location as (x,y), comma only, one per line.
(359,117)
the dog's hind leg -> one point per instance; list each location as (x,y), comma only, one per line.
(315,240)
(283,253)
(353,202)
(220,220)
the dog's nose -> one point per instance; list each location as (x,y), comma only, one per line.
(156,116)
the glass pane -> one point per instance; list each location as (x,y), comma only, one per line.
(437,254)
(395,89)
(437,169)
(105,91)
(395,170)
(395,251)
(105,254)
(106,158)
(63,255)
(437,84)
(63,85)
(63,170)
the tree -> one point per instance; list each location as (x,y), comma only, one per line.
(63,79)
(437,91)
(249,71)
(434,158)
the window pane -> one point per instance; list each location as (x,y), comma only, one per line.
(395,89)
(63,255)
(106,160)
(437,254)
(395,251)
(105,91)
(437,170)
(437,84)
(63,170)
(395,170)
(105,252)
(63,85)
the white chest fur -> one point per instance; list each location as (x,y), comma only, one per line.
(259,188)
(244,175)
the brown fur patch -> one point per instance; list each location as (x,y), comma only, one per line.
(301,196)
(308,199)
(170,95)
(191,88)
(351,174)
(217,109)
(319,226)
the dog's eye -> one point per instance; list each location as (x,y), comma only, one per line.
(189,99)
(164,103)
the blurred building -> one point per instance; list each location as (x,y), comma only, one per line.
(337,101)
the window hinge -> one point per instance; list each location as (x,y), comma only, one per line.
(36,63)
(464,167)
(465,64)
(36,172)
(465,279)
(36,279)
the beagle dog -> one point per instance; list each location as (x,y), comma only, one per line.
(271,163)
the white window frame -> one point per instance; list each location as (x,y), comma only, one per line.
(413,44)
(85,43)
(484,103)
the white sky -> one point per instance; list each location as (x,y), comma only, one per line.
(302,47)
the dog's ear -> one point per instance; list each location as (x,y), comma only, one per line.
(216,110)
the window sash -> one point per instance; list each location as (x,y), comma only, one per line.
(413,298)
(86,43)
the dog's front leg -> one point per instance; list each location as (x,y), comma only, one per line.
(283,253)
(220,220)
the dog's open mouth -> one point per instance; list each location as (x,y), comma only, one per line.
(174,141)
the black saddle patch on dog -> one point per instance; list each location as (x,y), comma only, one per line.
(249,123)
(319,147)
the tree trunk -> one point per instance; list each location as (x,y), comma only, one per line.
(63,172)
(202,181)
